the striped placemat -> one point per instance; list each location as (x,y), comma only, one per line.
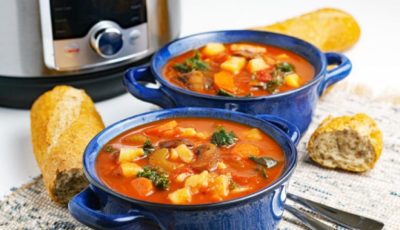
(375,194)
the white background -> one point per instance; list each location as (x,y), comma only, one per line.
(375,60)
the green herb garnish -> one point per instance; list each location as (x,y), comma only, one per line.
(232,184)
(190,64)
(224,93)
(182,67)
(223,139)
(285,67)
(110,149)
(276,82)
(148,147)
(159,179)
(267,162)
(278,75)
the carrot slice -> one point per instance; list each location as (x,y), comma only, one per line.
(162,128)
(246,150)
(142,186)
(225,80)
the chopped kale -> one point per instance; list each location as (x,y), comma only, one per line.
(224,93)
(223,139)
(159,179)
(190,64)
(267,162)
(278,75)
(110,149)
(232,184)
(285,67)
(182,67)
(262,170)
(148,147)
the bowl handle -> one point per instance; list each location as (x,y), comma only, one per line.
(82,207)
(291,130)
(132,82)
(336,74)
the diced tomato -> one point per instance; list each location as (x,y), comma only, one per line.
(219,58)
(263,75)
(142,186)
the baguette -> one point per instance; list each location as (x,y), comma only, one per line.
(328,29)
(63,121)
(353,143)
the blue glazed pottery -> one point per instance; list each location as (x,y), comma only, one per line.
(296,106)
(102,208)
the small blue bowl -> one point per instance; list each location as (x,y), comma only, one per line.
(102,208)
(296,106)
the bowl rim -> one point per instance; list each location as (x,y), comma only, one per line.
(169,113)
(317,76)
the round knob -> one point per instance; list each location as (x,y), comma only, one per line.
(107,42)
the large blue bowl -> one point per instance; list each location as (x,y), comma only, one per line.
(296,106)
(102,208)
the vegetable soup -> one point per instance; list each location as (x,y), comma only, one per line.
(238,70)
(190,161)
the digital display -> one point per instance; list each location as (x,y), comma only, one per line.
(74,18)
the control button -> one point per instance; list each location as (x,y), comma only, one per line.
(133,36)
(107,42)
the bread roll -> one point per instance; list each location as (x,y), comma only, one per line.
(352,143)
(63,121)
(328,29)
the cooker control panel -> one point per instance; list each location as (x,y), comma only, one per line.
(106,40)
(81,34)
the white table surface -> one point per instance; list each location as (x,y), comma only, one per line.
(375,60)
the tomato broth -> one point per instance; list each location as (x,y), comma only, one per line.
(190,161)
(238,70)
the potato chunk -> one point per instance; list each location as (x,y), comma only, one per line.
(187,132)
(130,154)
(202,135)
(221,186)
(212,49)
(130,169)
(292,80)
(180,196)
(253,134)
(184,153)
(195,182)
(256,64)
(234,64)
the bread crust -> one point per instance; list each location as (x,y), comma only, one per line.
(328,29)
(63,121)
(357,139)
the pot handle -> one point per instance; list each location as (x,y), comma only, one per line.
(132,82)
(82,207)
(336,74)
(290,129)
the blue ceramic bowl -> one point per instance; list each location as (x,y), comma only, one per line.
(296,106)
(100,207)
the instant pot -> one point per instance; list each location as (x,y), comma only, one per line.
(84,43)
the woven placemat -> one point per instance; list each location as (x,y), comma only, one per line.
(375,194)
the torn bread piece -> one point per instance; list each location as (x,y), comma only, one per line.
(63,121)
(352,143)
